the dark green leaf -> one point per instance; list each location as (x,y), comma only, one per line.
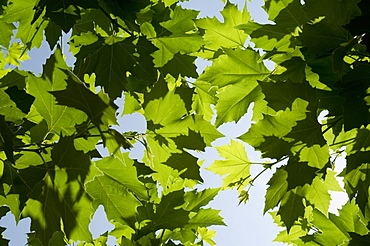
(7,138)
(291,207)
(186,163)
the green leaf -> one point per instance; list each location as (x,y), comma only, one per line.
(170,45)
(186,164)
(236,165)
(6,33)
(95,106)
(317,193)
(281,94)
(355,108)
(181,20)
(295,71)
(299,173)
(184,235)
(234,101)
(207,235)
(110,60)
(192,141)
(290,17)
(20,183)
(273,8)
(57,239)
(52,33)
(12,202)
(328,33)
(167,214)
(236,66)
(338,13)
(121,205)
(274,147)
(170,2)
(195,200)
(15,54)
(6,139)
(206,218)
(334,230)
(22,100)
(205,129)
(9,109)
(59,201)
(126,10)
(122,170)
(224,34)
(165,110)
(131,104)
(292,207)
(14,77)
(278,125)
(183,65)
(278,187)
(91,20)
(59,119)
(29,31)
(204,97)
(61,13)
(315,155)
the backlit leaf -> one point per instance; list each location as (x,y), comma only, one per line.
(224,33)
(236,166)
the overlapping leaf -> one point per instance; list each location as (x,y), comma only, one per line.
(59,119)
(224,34)
(110,60)
(335,229)
(170,45)
(60,196)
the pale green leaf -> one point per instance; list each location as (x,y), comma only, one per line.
(234,101)
(236,66)
(205,218)
(223,34)
(122,171)
(235,169)
(15,54)
(317,193)
(204,97)
(315,155)
(170,45)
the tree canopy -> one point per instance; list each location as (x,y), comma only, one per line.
(145,52)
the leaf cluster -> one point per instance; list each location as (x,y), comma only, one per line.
(54,126)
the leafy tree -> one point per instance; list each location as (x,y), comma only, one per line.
(144,51)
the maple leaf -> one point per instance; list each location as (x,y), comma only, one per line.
(224,34)
(236,165)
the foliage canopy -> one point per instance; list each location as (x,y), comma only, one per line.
(144,50)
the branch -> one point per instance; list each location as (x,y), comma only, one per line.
(115,22)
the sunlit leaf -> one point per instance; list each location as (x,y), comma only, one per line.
(235,167)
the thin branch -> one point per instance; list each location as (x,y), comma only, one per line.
(115,22)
